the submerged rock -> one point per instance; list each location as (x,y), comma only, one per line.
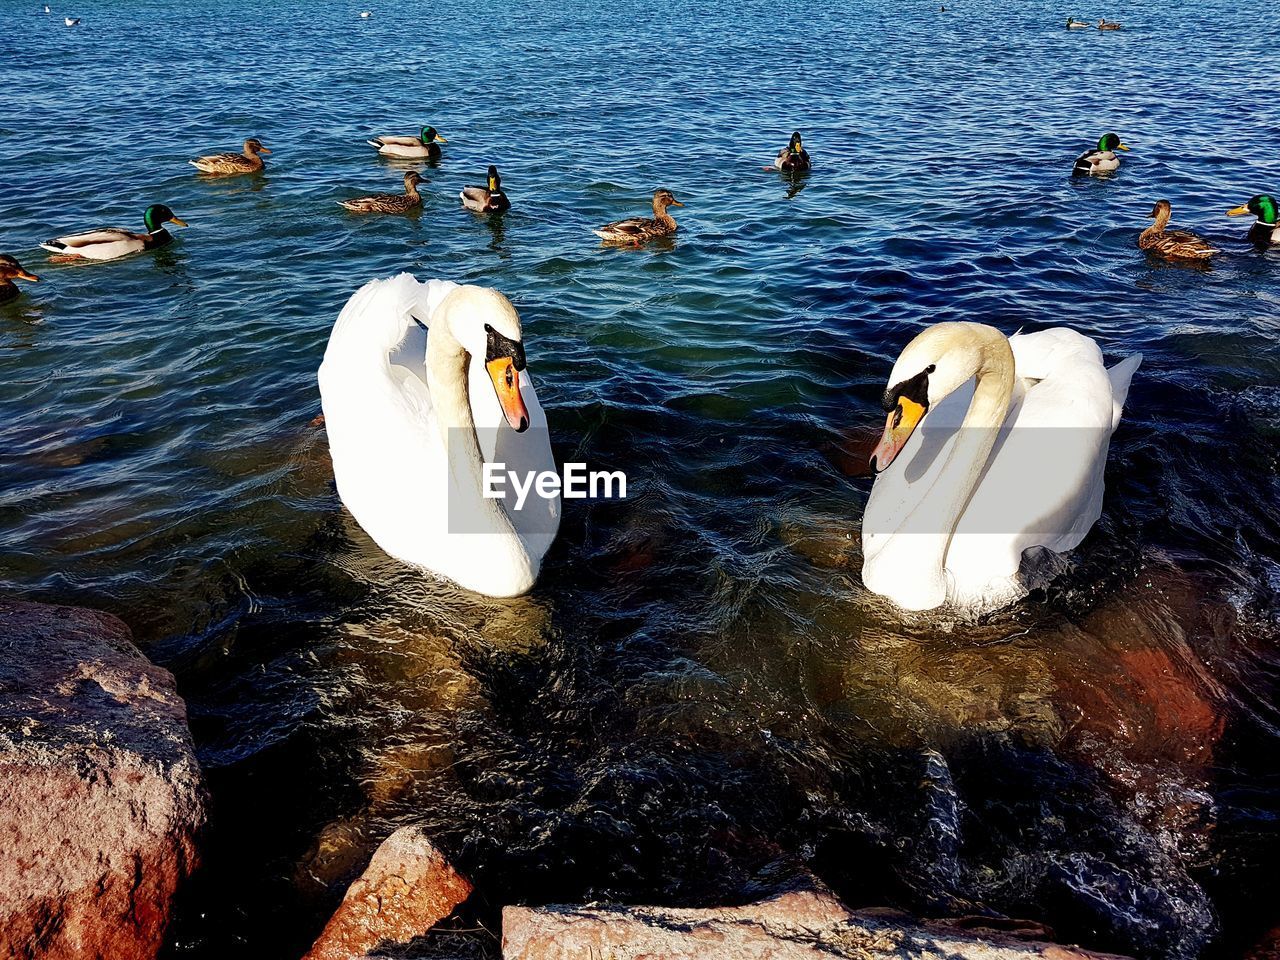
(407,889)
(798,925)
(102,797)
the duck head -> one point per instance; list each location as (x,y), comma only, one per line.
(11,269)
(429,136)
(157,215)
(1263,206)
(1110,142)
(664,198)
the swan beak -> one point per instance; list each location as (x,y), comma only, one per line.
(898,427)
(181,223)
(506,383)
(1121,146)
(1239,211)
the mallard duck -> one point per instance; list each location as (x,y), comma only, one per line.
(411,148)
(112,242)
(1074,24)
(389,202)
(10,270)
(1108,25)
(488,199)
(1265,229)
(1103,159)
(793,156)
(1172,244)
(228,164)
(637,230)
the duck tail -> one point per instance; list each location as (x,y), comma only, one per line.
(376,144)
(53,246)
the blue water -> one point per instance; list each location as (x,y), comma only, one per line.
(699,699)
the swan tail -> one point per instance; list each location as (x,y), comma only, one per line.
(1120,376)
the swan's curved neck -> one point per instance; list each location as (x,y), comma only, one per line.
(447,378)
(941,509)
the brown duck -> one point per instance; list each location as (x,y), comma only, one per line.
(637,230)
(389,202)
(229,164)
(1172,244)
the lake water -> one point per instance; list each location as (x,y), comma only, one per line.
(699,699)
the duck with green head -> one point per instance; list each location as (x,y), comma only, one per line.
(793,157)
(424,147)
(1266,229)
(11,270)
(1103,159)
(113,242)
(487,199)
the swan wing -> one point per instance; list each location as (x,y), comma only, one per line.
(1043,483)
(388,459)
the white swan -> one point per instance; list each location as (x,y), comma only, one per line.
(1009,457)
(413,417)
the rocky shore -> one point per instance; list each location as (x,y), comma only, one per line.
(103,806)
(102,801)
(409,887)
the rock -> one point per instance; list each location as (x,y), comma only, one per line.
(102,798)
(407,889)
(798,925)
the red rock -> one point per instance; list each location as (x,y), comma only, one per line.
(102,796)
(799,925)
(407,889)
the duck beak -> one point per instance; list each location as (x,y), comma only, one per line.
(1239,211)
(263,150)
(898,428)
(23,275)
(181,223)
(439,139)
(506,383)
(676,203)
(1121,146)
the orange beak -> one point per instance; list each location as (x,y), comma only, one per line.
(23,275)
(506,383)
(898,427)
